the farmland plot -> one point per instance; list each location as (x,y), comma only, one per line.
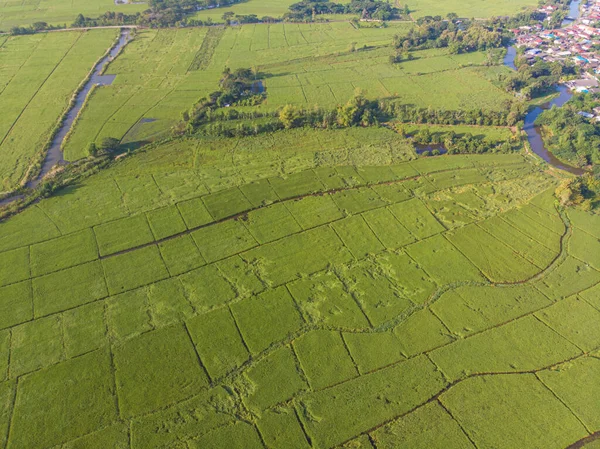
(203,288)
(40,74)
(301,64)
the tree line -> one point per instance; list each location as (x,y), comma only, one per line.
(459,36)
(308,10)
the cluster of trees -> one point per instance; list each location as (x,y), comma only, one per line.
(512,113)
(235,88)
(570,136)
(161,14)
(37,26)
(537,79)
(379,10)
(230,17)
(109,18)
(459,36)
(533,17)
(582,192)
(358,111)
(455,144)
(107,146)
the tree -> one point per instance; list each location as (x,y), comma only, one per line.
(109,144)
(39,26)
(92,149)
(289,116)
(406,10)
(227,16)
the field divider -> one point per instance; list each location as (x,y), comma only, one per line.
(437,396)
(11,412)
(208,376)
(458,423)
(141,116)
(588,430)
(236,216)
(24,62)
(276,345)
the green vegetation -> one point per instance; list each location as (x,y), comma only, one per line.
(315,277)
(246,249)
(40,75)
(569,135)
(460,36)
(136,109)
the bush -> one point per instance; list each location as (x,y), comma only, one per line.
(109,144)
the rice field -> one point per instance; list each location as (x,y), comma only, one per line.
(470,8)
(58,12)
(301,289)
(158,75)
(38,76)
(198,292)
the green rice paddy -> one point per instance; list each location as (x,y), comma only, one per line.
(177,298)
(302,64)
(301,289)
(39,75)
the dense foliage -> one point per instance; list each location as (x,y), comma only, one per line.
(162,13)
(457,35)
(37,26)
(509,116)
(582,192)
(235,88)
(537,79)
(378,10)
(460,144)
(569,135)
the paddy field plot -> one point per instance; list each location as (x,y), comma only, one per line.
(197,293)
(39,74)
(470,8)
(58,12)
(303,64)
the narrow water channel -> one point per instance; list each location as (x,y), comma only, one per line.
(54,154)
(533,132)
(574,12)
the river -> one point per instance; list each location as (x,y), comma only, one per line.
(533,132)
(54,154)
(574,12)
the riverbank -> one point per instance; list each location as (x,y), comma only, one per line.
(53,156)
(533,133)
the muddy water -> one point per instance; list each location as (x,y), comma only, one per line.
(533,132)
(54,155)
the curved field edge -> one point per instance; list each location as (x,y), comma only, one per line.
(128,332)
